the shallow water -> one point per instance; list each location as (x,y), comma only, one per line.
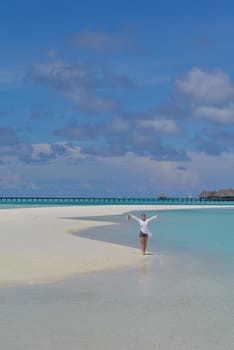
(200,232)
(182,297)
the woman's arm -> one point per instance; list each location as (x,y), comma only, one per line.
(153,217)
(134,217)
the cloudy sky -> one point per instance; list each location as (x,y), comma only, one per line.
(116,98)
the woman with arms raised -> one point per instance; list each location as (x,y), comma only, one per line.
(144,230)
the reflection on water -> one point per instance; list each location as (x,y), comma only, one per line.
(144,275)
(171,303)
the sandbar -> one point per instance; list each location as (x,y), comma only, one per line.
(37,244)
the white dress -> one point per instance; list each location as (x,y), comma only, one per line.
(144,224)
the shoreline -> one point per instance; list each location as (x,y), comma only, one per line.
(37,245)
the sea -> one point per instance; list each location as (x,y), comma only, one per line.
(179,297)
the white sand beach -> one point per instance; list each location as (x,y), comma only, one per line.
(184,296)
(37,245)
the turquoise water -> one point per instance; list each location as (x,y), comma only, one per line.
(203,232)
(179,298)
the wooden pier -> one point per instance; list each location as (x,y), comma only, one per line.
(103,201)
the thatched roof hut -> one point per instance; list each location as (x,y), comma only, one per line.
(227,194)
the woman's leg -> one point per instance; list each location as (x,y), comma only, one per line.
(142,241)
(145,244)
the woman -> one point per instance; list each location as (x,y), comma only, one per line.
(144,230)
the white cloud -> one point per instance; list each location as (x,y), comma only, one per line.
(91,103)
(165,126)
(62,76)
(106,42)
(143,175)
(124,175)
(59,149)
(215,171)
(102,41)
(223,115)
(118,125)
(204,87)
(52,53)
(10,179)
(83,84)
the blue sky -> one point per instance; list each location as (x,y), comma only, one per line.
(116,98)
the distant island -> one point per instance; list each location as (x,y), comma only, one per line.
(223,194)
